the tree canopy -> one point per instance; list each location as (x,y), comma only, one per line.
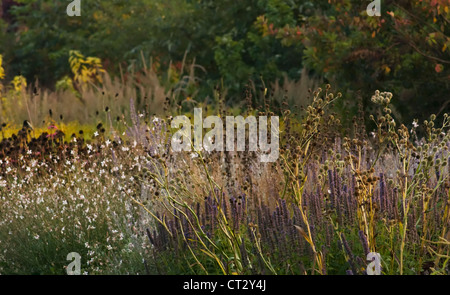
(406,50)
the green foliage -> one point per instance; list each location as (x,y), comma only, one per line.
(209,31)
(406,50)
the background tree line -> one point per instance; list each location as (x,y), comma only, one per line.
(405,51)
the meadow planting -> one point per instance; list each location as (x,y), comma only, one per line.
(121,197)
(257,137)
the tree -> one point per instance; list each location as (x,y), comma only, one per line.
(405,51)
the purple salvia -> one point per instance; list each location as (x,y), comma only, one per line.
(339,200)
(202,217)
(285,213)
(213,218)
(171,228)
(348,211)
(234,213)
(277,218)
(262,223)
(208,209)
(156,239)
(436,212)
(150,238)
(291,228)
(364,243)
(318,200)
(361,263)
(349,253)
(312,228)
(282,230)
(272,240)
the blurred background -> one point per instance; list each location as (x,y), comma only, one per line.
(186,49)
